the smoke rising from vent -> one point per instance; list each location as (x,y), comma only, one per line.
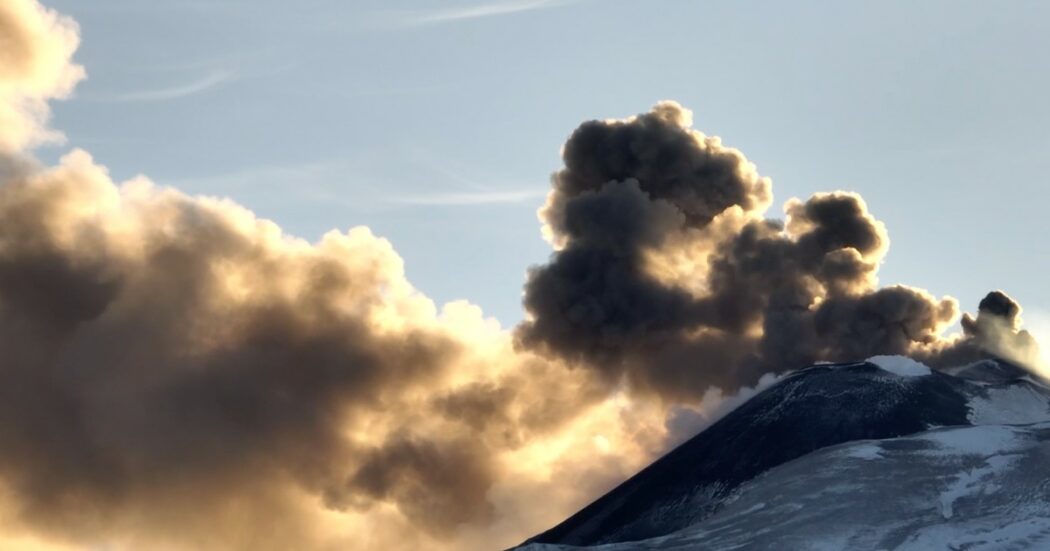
(180,374)
(756,295)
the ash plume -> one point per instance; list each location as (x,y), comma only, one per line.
(37,45)
(180,374)
(756,296)
(994,332)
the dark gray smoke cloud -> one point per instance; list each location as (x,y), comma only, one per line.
(170,343)
(442,484)
(176,373)
(760,295)
(994,332)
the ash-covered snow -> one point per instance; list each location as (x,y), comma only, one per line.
(979,480)
(871,451)
(981,441)
(916,460)
(1020,403)
(899,365)
(836,498)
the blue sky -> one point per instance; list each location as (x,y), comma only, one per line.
(438,124)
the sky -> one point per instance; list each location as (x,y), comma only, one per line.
(264,266)
(428,121)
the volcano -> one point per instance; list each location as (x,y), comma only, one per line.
(880,454)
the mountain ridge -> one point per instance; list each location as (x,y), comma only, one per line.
(812,409)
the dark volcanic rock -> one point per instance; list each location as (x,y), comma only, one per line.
(814,408)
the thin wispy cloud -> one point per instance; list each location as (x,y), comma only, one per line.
(266,176)
(468,185)
(322,181)
(424,18)
(178,91)
(326,181)
(208,6)
(485,10)
(471,198)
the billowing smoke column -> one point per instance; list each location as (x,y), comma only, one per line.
(667,274)
(154,342)
(176,373)
(35,48)
(996,331)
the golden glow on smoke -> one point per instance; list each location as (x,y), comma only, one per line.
(183,375)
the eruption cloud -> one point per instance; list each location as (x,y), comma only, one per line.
(180,374)
(36,45)
(666,273)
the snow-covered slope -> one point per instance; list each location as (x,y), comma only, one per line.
(974,488)
(846,456)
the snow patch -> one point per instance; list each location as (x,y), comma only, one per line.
(899,365)
(1011,405)
(868,452)
(756,507)
(986,441)
(974,481)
